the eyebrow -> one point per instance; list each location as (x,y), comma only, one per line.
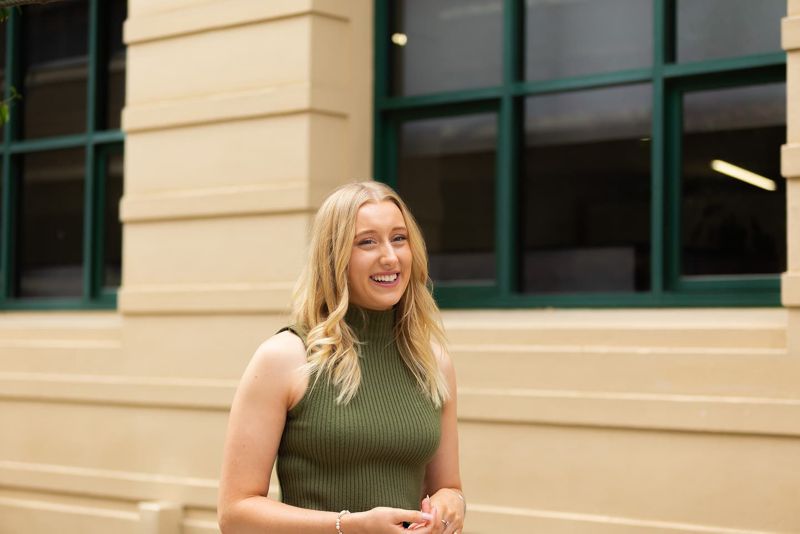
(370,231)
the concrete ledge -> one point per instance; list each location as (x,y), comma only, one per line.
(689,413)
(205,299)
(242,105)
(790,289)
(28,515)
(790,33)
(215,202)
(210,16)
(669,412)
(130,486)
(489,519)
(152,392)
(790,161)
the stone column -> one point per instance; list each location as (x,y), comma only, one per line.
(790,164)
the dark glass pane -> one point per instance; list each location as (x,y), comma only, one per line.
(112,229)
(576,37)
(731,226)
(586,191)
(115,68)
(54,51)
(445,45)
(446,174)
(713,29)
(49,254)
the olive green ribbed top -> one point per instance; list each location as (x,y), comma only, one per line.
(367,453)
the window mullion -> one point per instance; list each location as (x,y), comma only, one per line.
(382,73)
(506,212)
(663,53)
(9,184)
(90,216)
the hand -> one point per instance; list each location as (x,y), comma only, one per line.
(386,520)
(449,509)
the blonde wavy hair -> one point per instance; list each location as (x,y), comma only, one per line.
(321,299)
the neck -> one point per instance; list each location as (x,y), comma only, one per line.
(371,326)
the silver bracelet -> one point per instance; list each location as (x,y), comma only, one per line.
(339,521)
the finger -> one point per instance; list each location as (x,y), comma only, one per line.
(436,523)
(426,504)
(412,516)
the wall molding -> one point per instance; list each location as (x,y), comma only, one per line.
(245,104)
(239,200)
(490,519)
(790,160)
(790,33)
(109,484)
(212,298)
(209,16)
(790,289)
(150,392)
(577,408)
(641,411)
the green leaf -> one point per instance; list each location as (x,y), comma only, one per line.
(3,113)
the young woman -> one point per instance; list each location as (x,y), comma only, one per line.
(357,399)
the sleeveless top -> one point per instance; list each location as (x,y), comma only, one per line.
(370,452)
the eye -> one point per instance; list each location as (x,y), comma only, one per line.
(368,241)
(400,237)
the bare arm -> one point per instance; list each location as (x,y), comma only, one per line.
(442,475)
(270,386)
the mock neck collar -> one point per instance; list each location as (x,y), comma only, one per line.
(371,326)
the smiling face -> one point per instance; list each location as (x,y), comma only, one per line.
(380,260)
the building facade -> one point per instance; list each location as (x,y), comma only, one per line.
(609,191)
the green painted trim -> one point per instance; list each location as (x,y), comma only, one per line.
(774,59)
(90,200)
(438,99)
(661,53)
(729,283)
(506,197)
(517,88)
(509,118)
(381,66)
(56,304)
(465,299)
(7,178)
(48,143)
(513,41)
(89,222)
(107,136)
(576,83)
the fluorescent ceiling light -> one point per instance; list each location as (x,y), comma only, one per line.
(744,175)
(400,39)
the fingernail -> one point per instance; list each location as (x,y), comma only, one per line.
(426,516)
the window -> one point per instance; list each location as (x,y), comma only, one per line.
(62,151)
(588,152)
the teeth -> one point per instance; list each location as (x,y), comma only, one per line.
(385,278)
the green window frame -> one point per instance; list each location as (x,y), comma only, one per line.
(669,81)
(97,145)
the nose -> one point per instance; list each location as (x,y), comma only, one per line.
(388,256)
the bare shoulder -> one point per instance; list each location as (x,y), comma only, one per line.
(284,349)
(275,366)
